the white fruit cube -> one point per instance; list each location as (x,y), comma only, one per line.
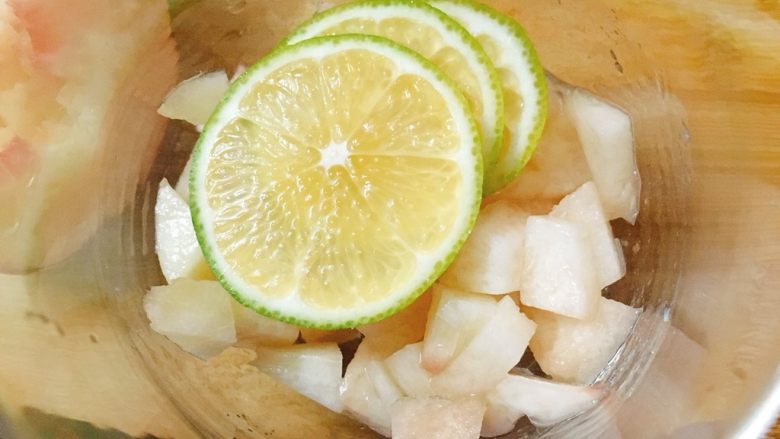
(491,260)
(454,318)
(254,329)
(576,351)
(437,418)
(175,241)
(194,99)
(385,386)
(491,353)
(583,207)
(367,388)
(608,143)
(314,370)
(406,369)
(400,329)
(559,273)
(545,403)
(196,315)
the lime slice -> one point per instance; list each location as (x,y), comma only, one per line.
(435,36)
(522,80)
(336,181)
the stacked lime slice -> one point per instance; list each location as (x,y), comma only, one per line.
(340,175)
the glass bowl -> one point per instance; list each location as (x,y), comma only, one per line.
(700,81)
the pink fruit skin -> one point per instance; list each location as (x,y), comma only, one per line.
(53,200)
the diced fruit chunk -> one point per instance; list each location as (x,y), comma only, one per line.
(386,388)
(194,99)
(406,369)
(608,143)
(575,351)
(175,242)
(584,207)
(437,418)
(366,389)
(491,260)
(544,402)
(196,315)
(398,330)
(454,318)
(491,353)
(559,274)
(253,329)
(314,370)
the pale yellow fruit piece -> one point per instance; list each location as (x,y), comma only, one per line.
(437,418)
(559,274)
(608,141)
(545,403)
(575,351)
(405,367)
(491,260)
(454,318)
(314,370)
(175,243)
(368,390)
(489,356)
(196,315)
(194,99)
(583,206)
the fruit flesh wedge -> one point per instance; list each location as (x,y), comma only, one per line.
(437,418)
(491,260)
(194,99)
(545,402)
(175,242)
(584,207)
(608,141)
(522,80)
(196,315)
(491,353)
(575,351)
(312,369)
(455,317)
(559,269)
(436,37)
(336,181)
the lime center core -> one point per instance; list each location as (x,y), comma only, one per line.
(334,154)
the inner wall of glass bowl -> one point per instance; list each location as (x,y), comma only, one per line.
(219,399)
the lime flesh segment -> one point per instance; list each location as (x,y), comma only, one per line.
(336,181)
(435,36)
(522,80)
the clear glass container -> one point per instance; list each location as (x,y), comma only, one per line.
(77,358)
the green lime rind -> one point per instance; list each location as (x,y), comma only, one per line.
(414,8)
(512,163)
(200,210)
